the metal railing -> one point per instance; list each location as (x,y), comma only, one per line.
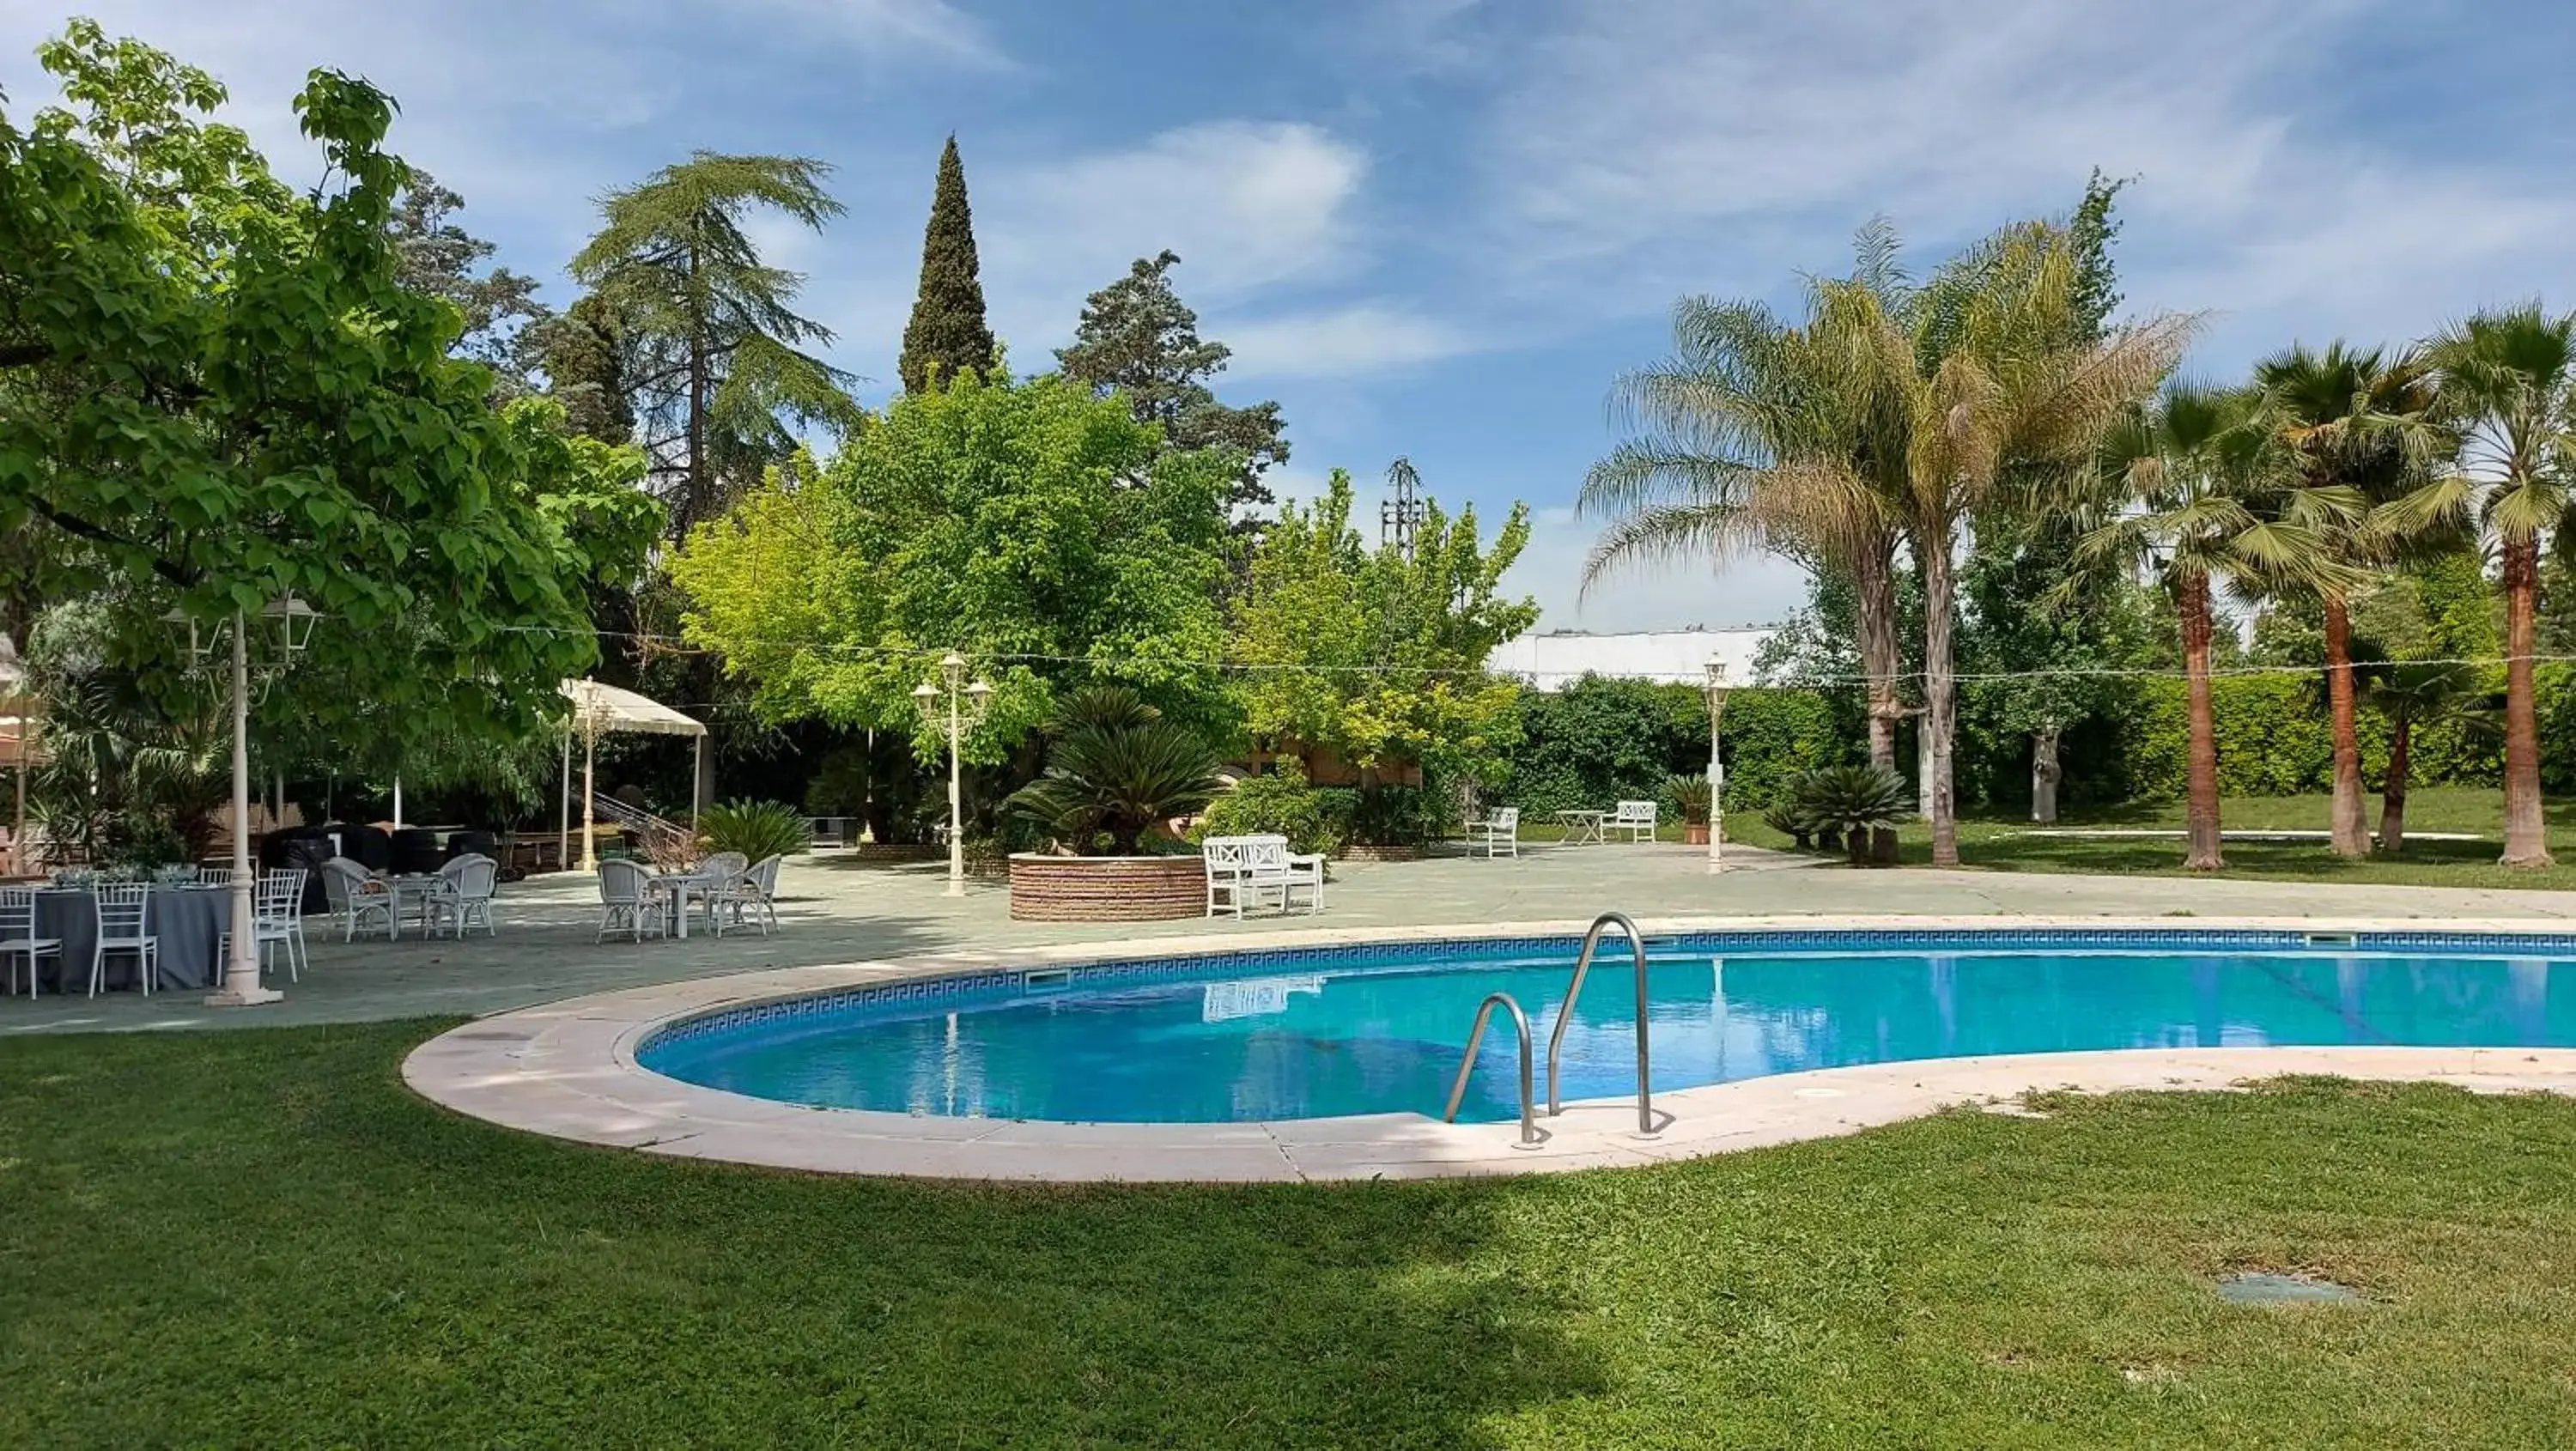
(1565,1017)
(1531,1133)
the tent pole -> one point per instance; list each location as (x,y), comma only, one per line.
(398,803)
(697,779)
(563,814)
(589,830)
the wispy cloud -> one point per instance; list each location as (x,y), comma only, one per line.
(1362,340)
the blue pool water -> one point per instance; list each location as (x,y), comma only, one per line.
(1341,1033)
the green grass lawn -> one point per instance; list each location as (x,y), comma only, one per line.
(2006,844)
(258,1238)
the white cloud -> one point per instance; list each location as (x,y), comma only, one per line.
(1348,342)
(1751,590)
(887,28)
(1247,205)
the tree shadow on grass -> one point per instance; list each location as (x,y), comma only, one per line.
(383,1271)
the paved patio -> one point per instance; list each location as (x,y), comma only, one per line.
(836,909)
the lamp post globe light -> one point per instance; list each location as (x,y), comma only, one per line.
(962,705)
(288,622)
(1716,687)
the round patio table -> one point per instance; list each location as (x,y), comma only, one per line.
(187,921)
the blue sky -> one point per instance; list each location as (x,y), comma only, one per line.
(1441,227)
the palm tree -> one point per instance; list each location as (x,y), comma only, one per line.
(2196,489)
(2505,394)
(1754,434)
(1991,372)
(2414,694)
(2341,412)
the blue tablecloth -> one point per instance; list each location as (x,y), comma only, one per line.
(187,921)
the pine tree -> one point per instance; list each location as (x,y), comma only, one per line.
(1138,338)
(947,331)
(716,372)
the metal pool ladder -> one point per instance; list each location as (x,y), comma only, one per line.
(1565,1015)
(1530,1134)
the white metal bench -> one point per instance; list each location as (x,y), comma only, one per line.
(1498,834)
(1246,871)
(1637,818)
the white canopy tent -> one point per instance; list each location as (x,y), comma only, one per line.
(599,710)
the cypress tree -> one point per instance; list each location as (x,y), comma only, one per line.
(947,330)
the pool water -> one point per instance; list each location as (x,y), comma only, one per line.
(1356,1037)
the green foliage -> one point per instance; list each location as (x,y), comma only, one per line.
(1282,803)
(1116,770)
(1378,656)
(985,517)
(757,829)
(1852,801)
(1390,814)
(1689,796)
(881,782)
(503,323)
(215,391)
(1601,740)
(590,363)
(947,337)
(1138,338)
(710,328)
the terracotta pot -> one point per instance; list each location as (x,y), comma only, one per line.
(1106,888)
(1695,835)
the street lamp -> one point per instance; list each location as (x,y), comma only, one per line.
(963,705)
(1715,686)
(289,623)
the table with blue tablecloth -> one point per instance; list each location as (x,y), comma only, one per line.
(188,921)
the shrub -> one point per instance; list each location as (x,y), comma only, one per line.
(1285,804)
(757,829)
(1396,816)
(1115,770)
(1853,801)
(1689,798)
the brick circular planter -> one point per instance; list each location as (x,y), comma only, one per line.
(1106,888)
(1384,853)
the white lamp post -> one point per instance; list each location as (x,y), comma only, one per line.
(289,621)
(964,707)
(1716,688)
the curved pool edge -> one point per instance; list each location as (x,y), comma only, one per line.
(569,1070)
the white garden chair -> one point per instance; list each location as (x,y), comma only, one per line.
(1637,818)
(755,889)
(18,938)
(627,902)
(1245,871)
(1498,834)
(464,894)
(276,915)
(122,909)
(355,894)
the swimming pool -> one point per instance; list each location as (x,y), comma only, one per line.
(1327,1032)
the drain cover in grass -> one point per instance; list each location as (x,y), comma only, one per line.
(2258,1288)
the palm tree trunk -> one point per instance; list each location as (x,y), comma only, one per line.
(2202,810)
(2351,830)
(1874,590)
(2526,841)
(1939,699)
(2392,796)
(1874,582)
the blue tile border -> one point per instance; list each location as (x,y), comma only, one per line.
(982,985)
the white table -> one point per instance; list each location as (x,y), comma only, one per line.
(1582,827)
(677,886)
(420,887)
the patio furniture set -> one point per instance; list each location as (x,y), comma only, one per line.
(175,930)
(729,888)
(458,895)
(1498,834)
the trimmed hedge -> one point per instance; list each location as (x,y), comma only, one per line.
(1600,741)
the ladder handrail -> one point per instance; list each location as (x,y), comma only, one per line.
(1565,1016)
(1529,1108)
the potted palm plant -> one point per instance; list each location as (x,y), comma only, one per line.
(1690,798)
(1117,775)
